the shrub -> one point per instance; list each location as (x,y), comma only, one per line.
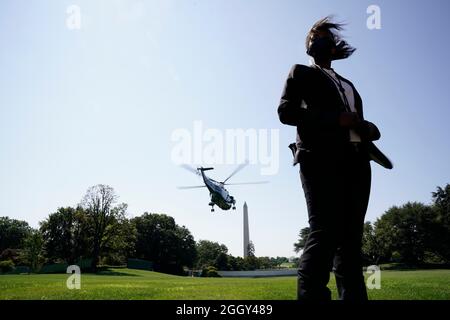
(396,256)
(10,254)
(210,272)
(6,266)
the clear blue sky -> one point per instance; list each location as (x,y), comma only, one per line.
(99,105)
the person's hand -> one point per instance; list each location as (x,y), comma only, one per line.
(349,119)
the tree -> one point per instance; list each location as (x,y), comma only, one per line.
(168,246)
(186,248)
(99,204)
(33,250)
(441,225)
(372,250)
(221,262)
(251,261)
(13,233)
(275,262)
(66,235)
(405,230)
(119,238)
(278,261)
(207,253)
(10,254)
(250,249)
(236,263)
(265,263)
(302,237)
(296,261)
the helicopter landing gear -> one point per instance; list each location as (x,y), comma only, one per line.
(212,206)
(233,203)
(212,209)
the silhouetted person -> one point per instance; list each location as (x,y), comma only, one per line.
(332,150)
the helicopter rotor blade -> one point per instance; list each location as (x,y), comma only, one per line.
(242,183)
(191,169)
(239,168)
(191,187)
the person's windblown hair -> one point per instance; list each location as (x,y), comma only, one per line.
(343,49)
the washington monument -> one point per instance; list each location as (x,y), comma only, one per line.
(246,232)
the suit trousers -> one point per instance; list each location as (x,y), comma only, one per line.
(337,188)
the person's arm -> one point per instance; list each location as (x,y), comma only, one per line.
(367,130)
(290,112)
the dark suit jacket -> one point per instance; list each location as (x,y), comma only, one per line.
(317,125)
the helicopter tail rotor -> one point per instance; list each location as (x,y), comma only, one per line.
(205,169)
(194,170)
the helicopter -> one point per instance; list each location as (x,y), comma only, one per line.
(218,194)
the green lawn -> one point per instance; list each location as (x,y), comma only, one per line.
(134,284)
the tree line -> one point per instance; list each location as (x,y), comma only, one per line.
(412,234)
(98,230)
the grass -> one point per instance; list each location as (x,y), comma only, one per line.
(128,284)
